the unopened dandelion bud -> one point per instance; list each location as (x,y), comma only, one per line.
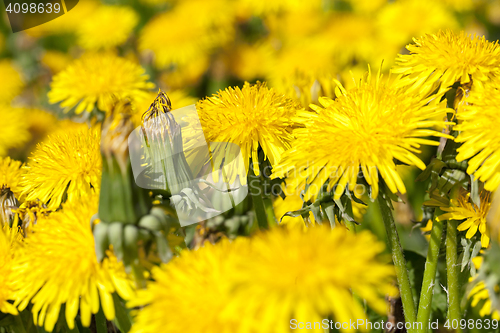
(163,145)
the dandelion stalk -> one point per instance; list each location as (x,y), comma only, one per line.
(398,259)
(452,272)
(256,192)
(424,305)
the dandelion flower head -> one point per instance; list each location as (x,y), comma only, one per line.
(366,128)
(67,163)
(9,240)
(95,79)
(478,133)
(448,57)
(251,117)
(474,216)
(195,284)
(10,175)
(59,266)
(11,87)
(109,26)
(14,132)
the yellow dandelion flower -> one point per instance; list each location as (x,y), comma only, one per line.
(352,37)
(269,279)
(41,123)
(493,217)
(59,266)
(280,264)
(478,294)
(68,163)
(306,87)
(252,116)
(478,132)
(366,6)
(94,79)
(109,26)
(190,74)
(262,7)
(56,61)
(194,284)
(295,58)
(399,21)
(364,129)
(475,217)
(10,175)
(13,130)
(172,41)
(249,62)
(446,58)
(9,244)
(12,84)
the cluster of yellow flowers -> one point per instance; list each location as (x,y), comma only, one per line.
(322,101)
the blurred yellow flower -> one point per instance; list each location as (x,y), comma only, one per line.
(478,131)
(478,294)
(446,58)
(189,74)
(59,266)
(367,6)
(8,239)
(10,175)
(399,21)
(296,58)
(14,128)
(352,38)
(194,290)
(189,30)
(68,164)
(251,117)
(249,62)
(56,61)
(107,27)
(281,286)
(475,217)
(263,7)
(364,129)
(307,87)
(67,23)
(12,83)
(95,79)
(268,278)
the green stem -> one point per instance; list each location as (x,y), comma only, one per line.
(452,272)
(271,216)
(424,305)
(399,261)
(257,193)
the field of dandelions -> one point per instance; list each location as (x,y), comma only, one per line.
(368,141)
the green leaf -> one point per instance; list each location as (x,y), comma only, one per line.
(122,315)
